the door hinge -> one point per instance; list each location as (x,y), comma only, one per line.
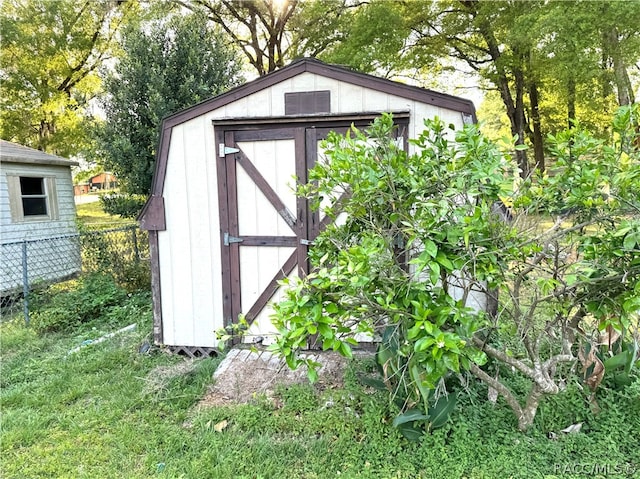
(226,150)
(306,242)
(228,239)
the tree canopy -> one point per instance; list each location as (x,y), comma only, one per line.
(552,63)
(50,55)
(166,66)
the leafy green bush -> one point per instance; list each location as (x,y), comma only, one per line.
(124,205)
(425,238)
(55,309)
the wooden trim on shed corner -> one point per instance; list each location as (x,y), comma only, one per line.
(152,216)
(161,163)
(156,289)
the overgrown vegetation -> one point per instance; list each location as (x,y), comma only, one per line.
(65,306)
(427,247)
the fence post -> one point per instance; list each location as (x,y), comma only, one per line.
(135,242)
(25,284)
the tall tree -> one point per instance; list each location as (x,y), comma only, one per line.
(272,32)
(168,65)
(532,53)
(618,24)
(50,54)
(257,27)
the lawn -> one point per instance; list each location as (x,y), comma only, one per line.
(110,411)
(92,216)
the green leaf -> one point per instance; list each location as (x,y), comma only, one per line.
(411,432)
(425,391)
(374,383)
(617,361)
(444,261)
(439,413)
(325,330)
(345,350)
(434,275)
(312,374)
(630,241)
(430,248)
(409,416)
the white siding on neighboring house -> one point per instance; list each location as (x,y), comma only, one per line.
(52,244)
(60,192)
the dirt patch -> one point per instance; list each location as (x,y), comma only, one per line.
(245,374)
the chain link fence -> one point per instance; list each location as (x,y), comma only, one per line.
(27,266)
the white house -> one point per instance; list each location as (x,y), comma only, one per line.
(37,217)
(224,223)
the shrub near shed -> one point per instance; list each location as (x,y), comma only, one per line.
(559,285)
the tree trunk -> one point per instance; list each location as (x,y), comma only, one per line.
(514,107)
(520,123)
(623,84)
(571,101)
(571,109)
(528,414)
(538,144)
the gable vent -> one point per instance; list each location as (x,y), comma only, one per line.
(307,102)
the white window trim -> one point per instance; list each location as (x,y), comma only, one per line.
(15,199)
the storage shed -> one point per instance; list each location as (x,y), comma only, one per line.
(224,222)
(37,218)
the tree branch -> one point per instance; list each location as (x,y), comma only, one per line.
(504,391)
(501,356)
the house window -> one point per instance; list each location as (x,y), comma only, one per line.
(32,198)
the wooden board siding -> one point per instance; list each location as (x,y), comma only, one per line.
(189,250)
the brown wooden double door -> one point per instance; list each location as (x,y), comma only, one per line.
(266,229)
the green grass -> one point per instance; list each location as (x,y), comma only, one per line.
(92,215)
(108,412)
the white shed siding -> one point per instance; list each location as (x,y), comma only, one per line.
(189,248)
(345,98)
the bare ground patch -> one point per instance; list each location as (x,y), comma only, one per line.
(245,374)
